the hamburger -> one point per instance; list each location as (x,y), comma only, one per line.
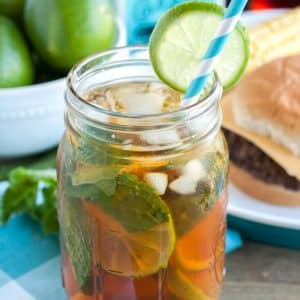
(267,104)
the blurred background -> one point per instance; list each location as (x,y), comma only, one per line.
(141,15)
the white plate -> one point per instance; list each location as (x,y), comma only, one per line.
(245,207)
(251,18)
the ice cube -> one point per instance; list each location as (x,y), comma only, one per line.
(184,185)
(161,138)
(194,169)
(142,98)
(158,181)
(147,103)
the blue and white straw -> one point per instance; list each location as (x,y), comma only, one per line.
(232,16)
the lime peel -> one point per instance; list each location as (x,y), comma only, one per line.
(181,38)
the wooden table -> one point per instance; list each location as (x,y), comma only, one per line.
(260,272)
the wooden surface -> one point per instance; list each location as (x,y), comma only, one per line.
(260,272)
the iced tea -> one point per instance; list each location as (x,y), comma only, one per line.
(142,193)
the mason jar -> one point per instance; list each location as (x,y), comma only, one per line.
(141,195)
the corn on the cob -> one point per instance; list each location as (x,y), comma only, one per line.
(275,38)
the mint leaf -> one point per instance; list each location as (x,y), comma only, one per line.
(135,205)
(89,179)
(48,212)
(21,196)
(108,186)
(90,174)
(130,201)
(77,237)
(98,153)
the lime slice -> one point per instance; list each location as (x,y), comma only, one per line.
(181,38)
(183,288)
(136,254)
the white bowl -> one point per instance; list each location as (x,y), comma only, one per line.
(32,117)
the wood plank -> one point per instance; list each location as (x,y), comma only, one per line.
(261,272)
(260,291)
(262,263)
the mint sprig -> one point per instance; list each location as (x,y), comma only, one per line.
(21,196)
(135,205)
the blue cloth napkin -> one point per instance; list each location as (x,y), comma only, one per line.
(233,240)
(141,17)
(29,262)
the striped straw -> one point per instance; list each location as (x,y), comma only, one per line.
(232,16)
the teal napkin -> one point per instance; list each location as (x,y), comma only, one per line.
(141,17)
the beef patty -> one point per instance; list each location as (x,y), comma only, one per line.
(247,156)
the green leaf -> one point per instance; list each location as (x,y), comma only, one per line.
(130,201)
(77,237)
(90,174)
(48,209)
(89,180)
(101,153)
(108,186)
(21,196)
(135,205)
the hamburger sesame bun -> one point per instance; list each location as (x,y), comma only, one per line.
(270,193)
(267,101)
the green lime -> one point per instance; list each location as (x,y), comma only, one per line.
(11,8)
(181,38)
(64,32)
(16,67)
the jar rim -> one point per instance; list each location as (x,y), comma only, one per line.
(75,100)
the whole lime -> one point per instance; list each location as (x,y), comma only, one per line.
(65,31)
(11,8)
(16,67)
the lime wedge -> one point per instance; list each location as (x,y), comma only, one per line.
(128,254)
(181,38)
(183,288)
